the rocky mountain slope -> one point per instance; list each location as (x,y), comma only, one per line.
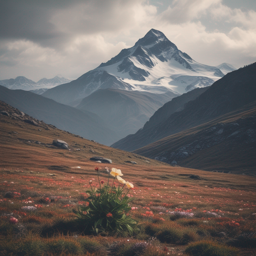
(226,144)
(154,64)
(232,92)
(145,135)
(82,123)
(124,111)
(29,142)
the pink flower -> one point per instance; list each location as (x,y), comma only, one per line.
(13,220)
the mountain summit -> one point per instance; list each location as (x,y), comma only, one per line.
(154,64)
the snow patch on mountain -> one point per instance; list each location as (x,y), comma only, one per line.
(155,61)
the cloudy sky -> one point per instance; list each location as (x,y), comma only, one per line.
(44,38)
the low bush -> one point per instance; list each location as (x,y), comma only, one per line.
(209,248)
(170,235)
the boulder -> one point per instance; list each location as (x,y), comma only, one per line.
(101,159)
(33,122)
(28,208)
(60,144)
(195,177)
(5,113)
(131,162)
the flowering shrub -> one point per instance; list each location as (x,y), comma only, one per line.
(106,209)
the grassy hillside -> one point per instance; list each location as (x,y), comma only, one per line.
(226,144)
(178,209)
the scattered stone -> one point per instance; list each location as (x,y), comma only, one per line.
(174,163)
(31,122)
(28,208)
(5,113)
(60,144)
(131,162)
(195,177)
(38,142)
(52,174)
(102,159)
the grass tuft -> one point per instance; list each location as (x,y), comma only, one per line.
(209,248)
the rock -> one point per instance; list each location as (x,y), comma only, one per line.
(9,194)
(5,113)
(174,163)
(131,162)
(60,144)
(28,208)
(195,177)
(102,159)
(31,122)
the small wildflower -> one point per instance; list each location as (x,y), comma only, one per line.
(13,220)
(116,172)
(90,182)
(109,215)
(96,169)
(121,180)
(129,185)
(102,182)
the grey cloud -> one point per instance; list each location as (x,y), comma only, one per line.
(54,23)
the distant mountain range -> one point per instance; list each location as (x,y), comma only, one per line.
(82,123)
(153,64)
(124,111)
(26,84)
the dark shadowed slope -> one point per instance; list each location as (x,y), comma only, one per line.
(147,134)
(230,93)
(64,117)
(124,111)
(226,144)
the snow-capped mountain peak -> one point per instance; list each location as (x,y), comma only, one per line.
(154,64)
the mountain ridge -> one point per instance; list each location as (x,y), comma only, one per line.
(233,91)
(154,64)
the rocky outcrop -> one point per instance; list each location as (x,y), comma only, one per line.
(100,159)
(60,144)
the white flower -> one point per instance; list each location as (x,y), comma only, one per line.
(129,185)
(121,180)
(116,172)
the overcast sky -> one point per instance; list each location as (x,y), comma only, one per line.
(44,38)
